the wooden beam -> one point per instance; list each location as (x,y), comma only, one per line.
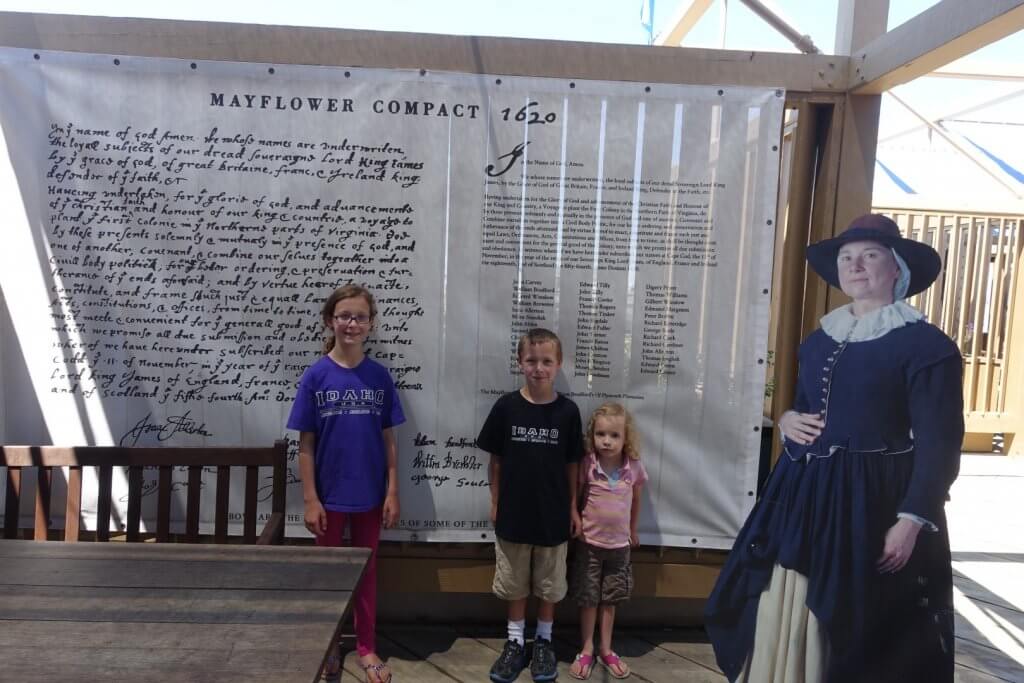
(932,39)
(986,422)
(674,580)
(858,22)
(977,442)
(686,17)
(824,197)
(445,575)
(856,169)
(856,132)
(791,267)
(341,47)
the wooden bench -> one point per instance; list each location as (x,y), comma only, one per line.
(104,458)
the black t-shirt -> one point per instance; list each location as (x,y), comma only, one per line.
(535,442)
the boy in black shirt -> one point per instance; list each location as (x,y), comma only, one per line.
(535,440)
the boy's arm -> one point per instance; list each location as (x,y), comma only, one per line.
(391,507)
(572,471)
(581,488)
(494,475)
(634,515)
(315,517)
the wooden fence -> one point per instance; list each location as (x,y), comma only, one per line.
(974,303)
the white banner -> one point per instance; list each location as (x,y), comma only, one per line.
(171,228)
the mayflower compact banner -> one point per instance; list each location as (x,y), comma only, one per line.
(170,229)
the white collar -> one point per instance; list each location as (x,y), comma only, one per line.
(843,326)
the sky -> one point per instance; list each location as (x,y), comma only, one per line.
(611,21)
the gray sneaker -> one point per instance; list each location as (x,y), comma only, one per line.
(510,662)
(543,666)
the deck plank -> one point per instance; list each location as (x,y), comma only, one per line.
(216,606)
(965,674)
(997,582)
(405,664)
(461,658)
(988,622)
(987,660)
(649,661)
(442,654)
(690,644)
(119,652)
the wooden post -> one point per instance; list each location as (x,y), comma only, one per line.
(857,23)
(823,207)
(791,268)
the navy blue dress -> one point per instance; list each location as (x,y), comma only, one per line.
(893,411)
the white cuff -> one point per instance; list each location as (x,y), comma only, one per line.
(917,520)
(778,423)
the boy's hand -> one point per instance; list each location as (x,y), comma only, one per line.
(634,538)
(391,510)
(494,512)
(315,517)
(575,524)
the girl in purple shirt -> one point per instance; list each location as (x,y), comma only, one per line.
(344,411)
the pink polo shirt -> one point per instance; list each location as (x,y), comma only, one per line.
(606,513)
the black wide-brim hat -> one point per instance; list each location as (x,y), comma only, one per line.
(923,261)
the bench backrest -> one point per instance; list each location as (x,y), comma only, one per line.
(105,458)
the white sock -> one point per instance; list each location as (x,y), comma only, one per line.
(544,629)
(517,631)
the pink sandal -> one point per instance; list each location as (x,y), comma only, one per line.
(377,673)
(586,667)
(612,662)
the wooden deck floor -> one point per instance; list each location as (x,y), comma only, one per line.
(986,528)
(430,654)
(987,531)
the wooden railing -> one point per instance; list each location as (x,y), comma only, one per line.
(973,301)
(46,462)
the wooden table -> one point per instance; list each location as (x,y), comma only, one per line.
(170,612)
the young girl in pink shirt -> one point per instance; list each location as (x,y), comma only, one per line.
(610,480)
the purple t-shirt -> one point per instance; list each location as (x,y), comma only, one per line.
(348,410)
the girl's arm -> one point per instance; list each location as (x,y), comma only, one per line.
(634,515)
(391,508)
(315,516)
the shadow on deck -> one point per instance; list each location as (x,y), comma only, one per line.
(436,653)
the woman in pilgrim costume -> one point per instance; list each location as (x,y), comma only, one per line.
(842,571)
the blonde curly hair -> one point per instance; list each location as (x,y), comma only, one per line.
(629,440)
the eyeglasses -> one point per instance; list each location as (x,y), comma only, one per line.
(346,318)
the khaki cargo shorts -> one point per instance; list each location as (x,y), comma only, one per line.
(522,570)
